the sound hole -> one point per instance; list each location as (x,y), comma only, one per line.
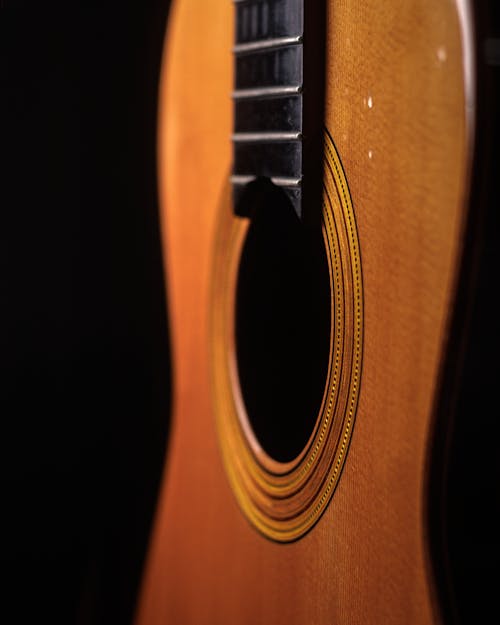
(282,325)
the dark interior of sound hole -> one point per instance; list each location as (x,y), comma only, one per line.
(282,326)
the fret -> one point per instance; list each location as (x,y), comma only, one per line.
(263,137)
(265,44)
(266,92)
(279,182)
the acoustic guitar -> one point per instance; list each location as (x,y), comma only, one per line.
(315,164)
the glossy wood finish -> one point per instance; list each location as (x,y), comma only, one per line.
(396,110)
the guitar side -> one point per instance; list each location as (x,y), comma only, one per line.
(396,108)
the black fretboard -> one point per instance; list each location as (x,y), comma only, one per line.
(270,127)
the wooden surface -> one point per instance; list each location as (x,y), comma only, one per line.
(396,111)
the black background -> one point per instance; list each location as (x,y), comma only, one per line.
(84,394)
(84,391)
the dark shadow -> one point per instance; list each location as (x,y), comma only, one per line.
(84,363)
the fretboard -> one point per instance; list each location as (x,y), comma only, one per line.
(268,95)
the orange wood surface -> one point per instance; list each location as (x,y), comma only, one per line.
(395,107)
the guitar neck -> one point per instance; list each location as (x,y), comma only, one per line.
(278,100)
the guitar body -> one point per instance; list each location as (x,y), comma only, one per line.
(396,110)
